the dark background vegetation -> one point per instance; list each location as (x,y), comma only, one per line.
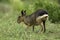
(52,6)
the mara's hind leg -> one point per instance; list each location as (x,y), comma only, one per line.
(43,29)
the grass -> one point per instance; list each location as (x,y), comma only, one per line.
(11,30)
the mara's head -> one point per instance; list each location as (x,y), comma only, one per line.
(21,18)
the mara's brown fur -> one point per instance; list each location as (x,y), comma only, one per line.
(37,18)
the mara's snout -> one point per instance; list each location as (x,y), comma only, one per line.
(19,19)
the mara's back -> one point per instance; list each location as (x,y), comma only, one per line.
(40,12)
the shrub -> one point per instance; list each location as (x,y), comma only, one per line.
(52,7)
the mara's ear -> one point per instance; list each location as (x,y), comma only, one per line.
(23,12)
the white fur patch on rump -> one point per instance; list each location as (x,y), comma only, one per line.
(43,17)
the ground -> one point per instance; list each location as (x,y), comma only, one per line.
(11,30)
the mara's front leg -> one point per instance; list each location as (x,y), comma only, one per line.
(33,27)
(44,28)
(27,28)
